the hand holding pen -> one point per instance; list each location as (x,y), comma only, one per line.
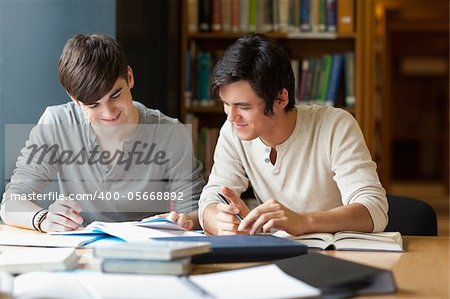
(230,212)
(63,215)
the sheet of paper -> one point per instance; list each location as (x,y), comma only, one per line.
(91,284)
(266,281)
(132,233)
(21,238)
(132,230)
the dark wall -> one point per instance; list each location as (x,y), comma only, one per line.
(32,35)
(148,31)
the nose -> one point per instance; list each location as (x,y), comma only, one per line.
(109,110)
(231,113)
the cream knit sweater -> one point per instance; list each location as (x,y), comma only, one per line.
(324,164)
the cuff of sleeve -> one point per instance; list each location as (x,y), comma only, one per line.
(378,215)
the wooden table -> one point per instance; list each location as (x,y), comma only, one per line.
(422,271)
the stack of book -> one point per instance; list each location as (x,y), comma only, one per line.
(150,257)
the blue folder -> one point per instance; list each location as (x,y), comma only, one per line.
(244,248)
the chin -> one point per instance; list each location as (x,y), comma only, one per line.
(246,137)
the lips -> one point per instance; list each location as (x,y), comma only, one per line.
(111,120)
(239,126)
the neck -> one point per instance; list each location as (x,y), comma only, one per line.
(282,129)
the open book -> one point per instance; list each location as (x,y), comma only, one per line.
(385,241)
(132,231)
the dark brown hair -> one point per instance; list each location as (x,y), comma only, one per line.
(90,65)
(260,61)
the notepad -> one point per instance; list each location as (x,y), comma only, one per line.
(20,260)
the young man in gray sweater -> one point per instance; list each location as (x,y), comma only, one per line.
(115,159)
(308,165)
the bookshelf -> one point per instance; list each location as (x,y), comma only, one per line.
(301,45)
(413,38)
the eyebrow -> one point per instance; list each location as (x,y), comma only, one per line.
(235,104)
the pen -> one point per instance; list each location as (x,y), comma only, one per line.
(225,200)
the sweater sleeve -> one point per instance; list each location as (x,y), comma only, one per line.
(34,171)
(354,170)
(227,169)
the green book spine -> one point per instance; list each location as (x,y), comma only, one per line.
(324,77)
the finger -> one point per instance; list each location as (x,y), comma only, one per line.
(228,209)
(273,225)
(231,195)
(72,204)
(62,221)
(235,200)
(173,216)
(157,216)
(254,214)
(226,217)
(185,222)
(263,220)
(55,227)
(64,211)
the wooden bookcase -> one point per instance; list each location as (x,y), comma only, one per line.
(300,46)
(413,60)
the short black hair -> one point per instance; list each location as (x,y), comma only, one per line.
(90,65)
(260,61)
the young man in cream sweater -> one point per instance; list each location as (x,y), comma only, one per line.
(308,165)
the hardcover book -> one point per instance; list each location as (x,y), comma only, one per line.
(244,248)
(174,267)
(152,250)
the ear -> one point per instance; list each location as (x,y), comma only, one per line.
(130,77)
(282,100)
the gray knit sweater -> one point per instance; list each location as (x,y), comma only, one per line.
(156,171)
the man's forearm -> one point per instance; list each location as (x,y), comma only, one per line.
(18,214)
(354,217)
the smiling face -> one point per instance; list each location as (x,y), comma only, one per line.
(114,108)
(245,110)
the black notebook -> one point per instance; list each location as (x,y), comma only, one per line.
(338,278)
(244,248)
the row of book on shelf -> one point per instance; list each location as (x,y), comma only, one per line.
(326,80)
(286,16)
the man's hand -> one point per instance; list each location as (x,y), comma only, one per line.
(63,215)
(224,216)
(181,219)
(273,215)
